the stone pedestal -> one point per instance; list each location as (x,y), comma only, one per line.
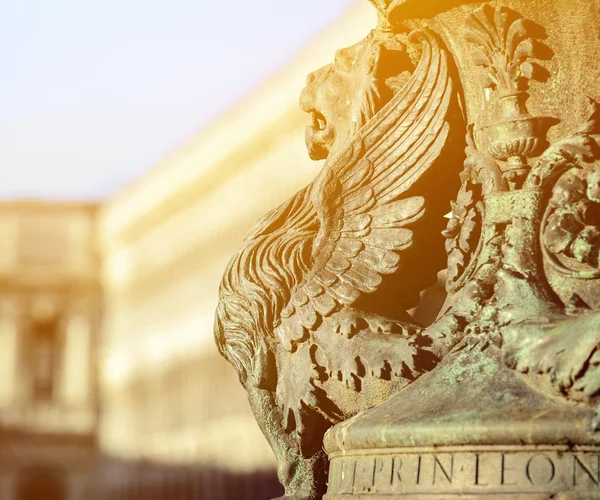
(471,429)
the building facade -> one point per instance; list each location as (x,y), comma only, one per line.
(50,307)
(175,418)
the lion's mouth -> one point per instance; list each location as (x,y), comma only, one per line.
(319,123)
(319,136)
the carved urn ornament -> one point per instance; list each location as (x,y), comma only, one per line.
(486,110)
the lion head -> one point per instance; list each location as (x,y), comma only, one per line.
(344,95)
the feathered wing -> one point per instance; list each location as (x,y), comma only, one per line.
(364,221)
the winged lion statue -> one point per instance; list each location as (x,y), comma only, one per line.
(313,309)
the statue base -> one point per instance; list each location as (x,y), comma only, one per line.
(471,429)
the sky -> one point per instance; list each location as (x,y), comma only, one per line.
(94,93)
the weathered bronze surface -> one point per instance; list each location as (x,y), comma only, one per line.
(487,110)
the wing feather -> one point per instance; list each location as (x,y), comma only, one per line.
(399,213)
(299,298)
(365,223)
(361,201)
(390,239)
(413,148)
(395,112)
(364,274)
(344,293)
(421,155)
(358,222)
(308,316)
(380,260)
(313,289)
(324,304)
(350,247)
(326,277)
(338,264)
(397,143)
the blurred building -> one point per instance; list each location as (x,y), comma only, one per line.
(174,413)
(49,325)
(172,421)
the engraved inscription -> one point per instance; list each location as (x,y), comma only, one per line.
(439,469)
(478,475)
(509,472)
(540,473)
(396,471)
(584,470)
(504,470)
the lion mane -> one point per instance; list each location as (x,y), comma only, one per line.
(258,280)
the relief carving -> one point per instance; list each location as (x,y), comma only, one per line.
(521,231)
(571,234)
(314,309)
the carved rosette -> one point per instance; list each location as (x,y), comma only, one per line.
(571,229)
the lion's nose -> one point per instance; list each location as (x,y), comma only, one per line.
(312,77)
(307,99)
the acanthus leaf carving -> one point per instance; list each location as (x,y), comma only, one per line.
(296,390)
(505,48)
(378,346)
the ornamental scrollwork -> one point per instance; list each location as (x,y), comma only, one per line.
(540,215)
(507,46)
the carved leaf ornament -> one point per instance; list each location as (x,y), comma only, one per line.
(505,48)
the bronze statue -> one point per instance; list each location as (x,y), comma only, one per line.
(313,310)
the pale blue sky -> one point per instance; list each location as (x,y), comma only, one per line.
(93,93)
